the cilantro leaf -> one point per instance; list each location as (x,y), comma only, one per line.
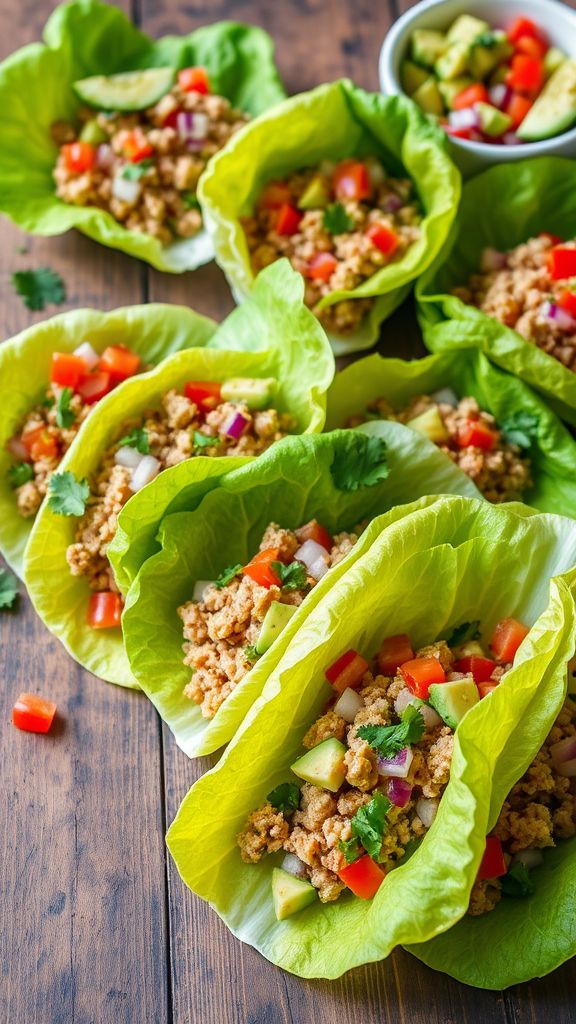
(20,474)
(517,883)
(133,172)
(48,402)
(387,740)
(520,428)
(251,653)
(351,849)
(136,438)
(285,797)
(190,200)
(8,589)
(227,575)
(359,462)
(39,287)
(369,824)
(203,441)
(292,577)
(65,416)
(486,40)
(463,633)
(67,496)
(336,220)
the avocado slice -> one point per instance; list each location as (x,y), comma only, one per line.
(93,133)
(450,90)
(430,424)
(555,109)
(552,60)
(130,90)
(453,62)
(427,46)
(290,894)
(315,195)
(428,97)
(323,765)
(256,392)
(277,616)
(493,122)
(466,29)
(411,76)
(453,700)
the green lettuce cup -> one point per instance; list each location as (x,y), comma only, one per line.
(275,336)
(431,566)
(502,207)
(87,38)
(333,122)
(548,444)
(153,331)
(297,480)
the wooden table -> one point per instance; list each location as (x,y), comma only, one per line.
(97,928)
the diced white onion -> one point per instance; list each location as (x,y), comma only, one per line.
(319,568)
(430,716)
(145,471)
(87,353)
(348,705)
(200,124)
(313,556)
(104,157)
(200,587)
(294,866)
(404,698)
(426,809)
(128,457)
(530,858)
(445,396)
(463,119)
(124,190)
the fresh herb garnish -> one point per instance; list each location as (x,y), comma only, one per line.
(48,402)
(368,827)
(463,633)
(520,428)
(133,172)
(285,797)
(486,40)
(359,462)
(517,883)
(292,577)
(136,438)
(351,849)
(20,474)
(8,589)
(67,496)
(387,740)
(203,441)
(336,220)
(227,575)
(39,287)
(190,200)
(65,416)
(251,654)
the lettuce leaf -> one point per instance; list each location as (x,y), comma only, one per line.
(331,122)
(517,202)
(430,565)
(154,331)
(291,483)
(87,38)
(552,449)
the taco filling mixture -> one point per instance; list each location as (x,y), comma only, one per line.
(338,224)
(487,453)
(532,289)
(377,763)
(78,380)
(232,621)
(143,165)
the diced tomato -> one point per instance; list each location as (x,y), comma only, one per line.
(493,864)
(472,94)
(484,689)
(531,46)
(526,74)
(555,239)
(522,27)
(194,80)
(351,180)
(287,220)
(562,263)
(420,673)
(40,443)
(347,672)
(457,133)
(119,362)
(364,877)
(94,387)
(136,146)
(67,370)
(104,610)
(314,531)
(567,301)
(506,639)
(260,568)
(383,238)
(517,108)
(204,393)
(321,266)
(274,195)
(33,713)
(79,157)
(171,119)
(480,668)
(394,651)
(476,434)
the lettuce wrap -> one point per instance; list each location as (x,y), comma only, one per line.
(293,482)
(502,207)
(275,336)
(153,331)
(552,449)
(431,566)
(334,121)
(86,38)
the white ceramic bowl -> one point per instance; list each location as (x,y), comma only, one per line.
(558,20)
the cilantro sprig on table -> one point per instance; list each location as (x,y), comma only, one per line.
(285,797)
(368,827)
(360,463)
(387,740)
(39,287)
(8,589)
(67,496)
(292,576)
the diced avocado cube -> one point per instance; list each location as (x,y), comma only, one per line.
(315,194)
(431,424)
(555,109)
(323,765)
(450,90)
(454,62)
(469,649)
(93,133)
(453,700)
(428,97)
(552,60)
(427,46)
(290,894)
(499,75)
(493,122)
(277,616)
(466,29)
(483,59)
(256,392)
(411,76)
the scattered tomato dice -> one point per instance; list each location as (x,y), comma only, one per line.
(33,713)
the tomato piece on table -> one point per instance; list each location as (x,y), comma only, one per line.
(79,157)
(67,370)
(119,362)
(506,639)
(274,195)
(526,73)
(288,220)
(104,610)
(364,877)
(33,713)
(351,180)
(136,146)
(480,668)
(517,108)
(314,531)
(40,443)
(492,864)
(472,94)
(523,26)
(204,393)
(194,79)
(567,301)
(383,238)
(347,672)
(420,673)
(476,434)
(484,689)
(260,568)
(321,266)
(394,651)
(561,262)
(94,387)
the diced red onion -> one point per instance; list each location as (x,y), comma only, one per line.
(192,127)
(128,457)
(88,354)
(348,705)
(492,259)
(294,866)
(234,426)
(184,121)
(530,858)
(500,95)
(563,756)
(392,203)
(426,809)
(104,157)
(558,316)
(399,791)
(124,190)
(511,139)
(18,449)
(397,766)
(466,118)
(200,588)
(145,471)
(313,556)
(445,396)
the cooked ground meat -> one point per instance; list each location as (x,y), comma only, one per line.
(499,469)
(333,244)
(516,295)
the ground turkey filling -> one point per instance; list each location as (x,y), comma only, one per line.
(338,225)
(177,431)
(145,171)
(523,289)
(472,440)
(221,629)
